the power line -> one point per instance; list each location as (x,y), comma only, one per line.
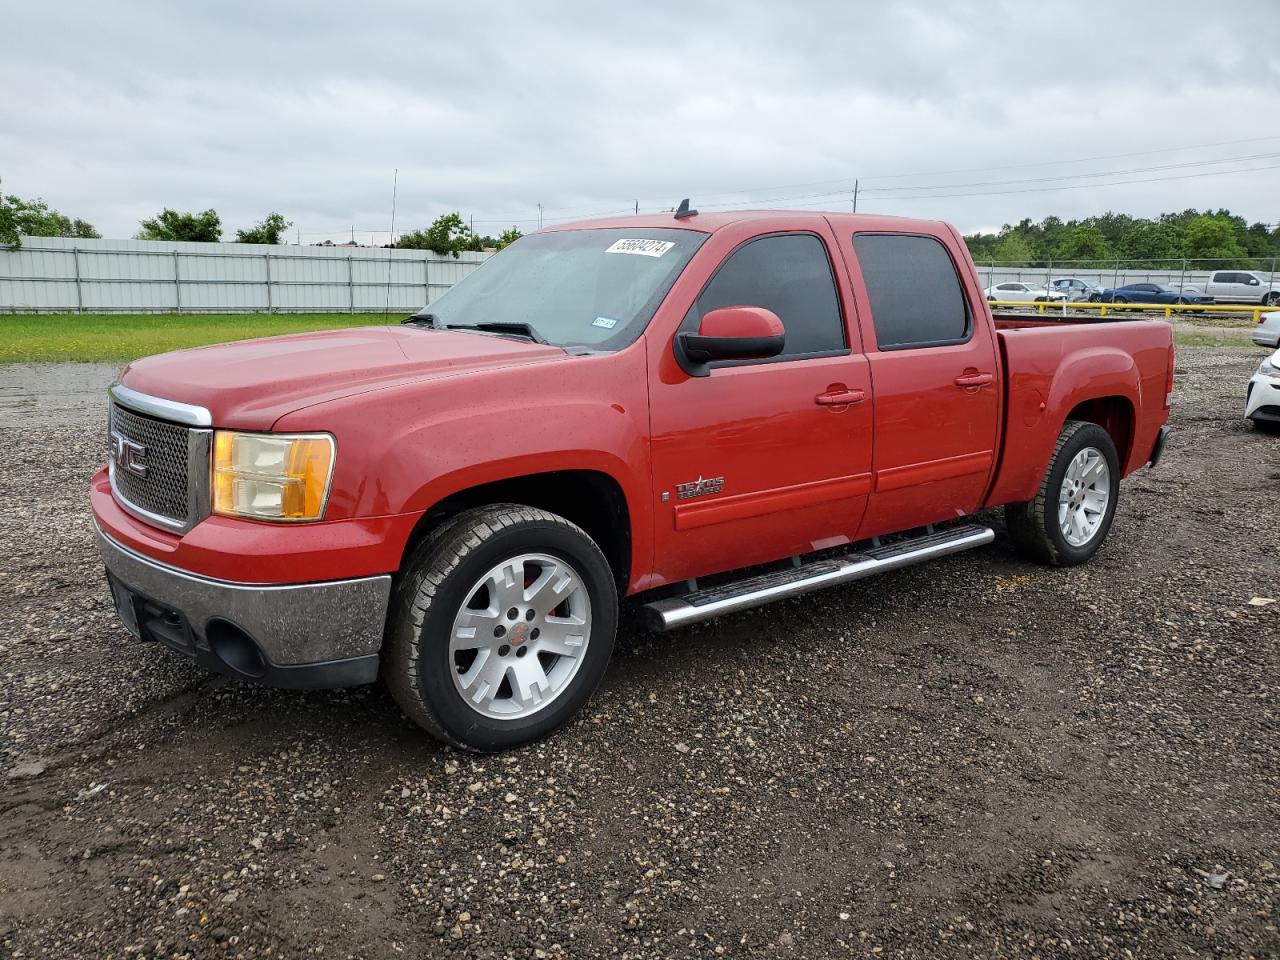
(1072,186)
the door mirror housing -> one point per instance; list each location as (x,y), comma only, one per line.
(730,333)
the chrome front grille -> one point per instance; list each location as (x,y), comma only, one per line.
(159,470)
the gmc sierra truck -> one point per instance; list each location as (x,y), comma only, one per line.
(708,412)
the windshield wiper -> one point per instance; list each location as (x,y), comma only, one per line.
(425,318)
(518,327)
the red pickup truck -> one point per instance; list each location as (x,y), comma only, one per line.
(710,411)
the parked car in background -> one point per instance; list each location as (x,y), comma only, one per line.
(1148,293)
(1262,397)
(1267,332)
(1076,289)
(1237,286)
(1014,292)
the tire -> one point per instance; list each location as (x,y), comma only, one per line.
(1272,299)
(1269,427)
(1119,300)
(1035,528)
(1095,298)
(447,589)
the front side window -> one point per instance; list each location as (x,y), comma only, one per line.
(577,288)
(915,293)
(788,274)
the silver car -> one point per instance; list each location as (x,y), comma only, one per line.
(1267,332)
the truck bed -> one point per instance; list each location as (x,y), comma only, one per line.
(1052,365)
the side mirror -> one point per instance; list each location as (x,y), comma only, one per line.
(730,333)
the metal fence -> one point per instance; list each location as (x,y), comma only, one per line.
(1117,273)
(56,275)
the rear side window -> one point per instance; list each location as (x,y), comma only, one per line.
(916,298)
(788,274)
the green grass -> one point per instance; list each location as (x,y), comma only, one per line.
(119,338)
(1210,340)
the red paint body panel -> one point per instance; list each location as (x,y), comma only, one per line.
(813,452)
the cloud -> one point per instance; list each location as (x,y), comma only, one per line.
(113,112)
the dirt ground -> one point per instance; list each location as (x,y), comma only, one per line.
(972,758)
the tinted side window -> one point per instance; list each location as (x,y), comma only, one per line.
(1225,278)
(916,298)
(788,274)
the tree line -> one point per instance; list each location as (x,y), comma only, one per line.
(1219,236)
(447,235)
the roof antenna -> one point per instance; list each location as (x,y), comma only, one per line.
(684,212)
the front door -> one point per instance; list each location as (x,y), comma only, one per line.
(933,368)
(762,459)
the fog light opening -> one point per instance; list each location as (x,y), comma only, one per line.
(235,648)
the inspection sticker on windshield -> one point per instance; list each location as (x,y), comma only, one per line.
(607,322)
(645,248)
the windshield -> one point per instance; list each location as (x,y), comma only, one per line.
(584,288)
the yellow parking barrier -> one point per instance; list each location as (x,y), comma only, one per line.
(1060,306)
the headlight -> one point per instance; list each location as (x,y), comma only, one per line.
(271,476)
(1269,369)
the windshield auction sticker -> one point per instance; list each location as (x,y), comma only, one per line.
(645,248)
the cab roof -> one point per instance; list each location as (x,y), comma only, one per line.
(712,221)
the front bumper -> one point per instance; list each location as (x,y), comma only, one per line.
(310,635)
(1262,401)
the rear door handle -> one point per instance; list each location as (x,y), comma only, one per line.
(971,380)
(840,398)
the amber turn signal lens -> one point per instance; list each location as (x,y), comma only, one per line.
(271,476)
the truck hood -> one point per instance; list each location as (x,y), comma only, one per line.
(250,384)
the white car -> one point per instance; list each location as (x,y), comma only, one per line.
(1076,289)
(1267,332)
(1262,400)
(1023,293)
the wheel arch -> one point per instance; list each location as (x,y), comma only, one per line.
(592,499)
(1116,415)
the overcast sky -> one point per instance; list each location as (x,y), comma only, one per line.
(111,111)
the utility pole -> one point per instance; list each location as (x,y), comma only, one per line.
(539,216)
(637,208)
(855,196)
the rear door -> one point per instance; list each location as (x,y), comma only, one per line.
(935,374)
(768,458)
(1229,285)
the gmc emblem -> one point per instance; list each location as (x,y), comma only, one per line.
(127,455)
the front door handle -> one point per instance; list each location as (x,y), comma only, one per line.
(972,381)
(839,398)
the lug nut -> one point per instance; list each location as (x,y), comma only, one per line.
(528,615)
(503,650)
(499,630)
(522,651)
(512,613)
(533,634)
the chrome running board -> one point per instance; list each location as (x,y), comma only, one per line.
(672,612)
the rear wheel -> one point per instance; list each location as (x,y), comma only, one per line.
(503,626)
(1071,514)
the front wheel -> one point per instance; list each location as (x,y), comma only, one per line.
(1272,299)
(1071,514)
(502,627)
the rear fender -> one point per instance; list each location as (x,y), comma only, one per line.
(1037,412)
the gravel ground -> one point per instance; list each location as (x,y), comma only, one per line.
(971,758)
